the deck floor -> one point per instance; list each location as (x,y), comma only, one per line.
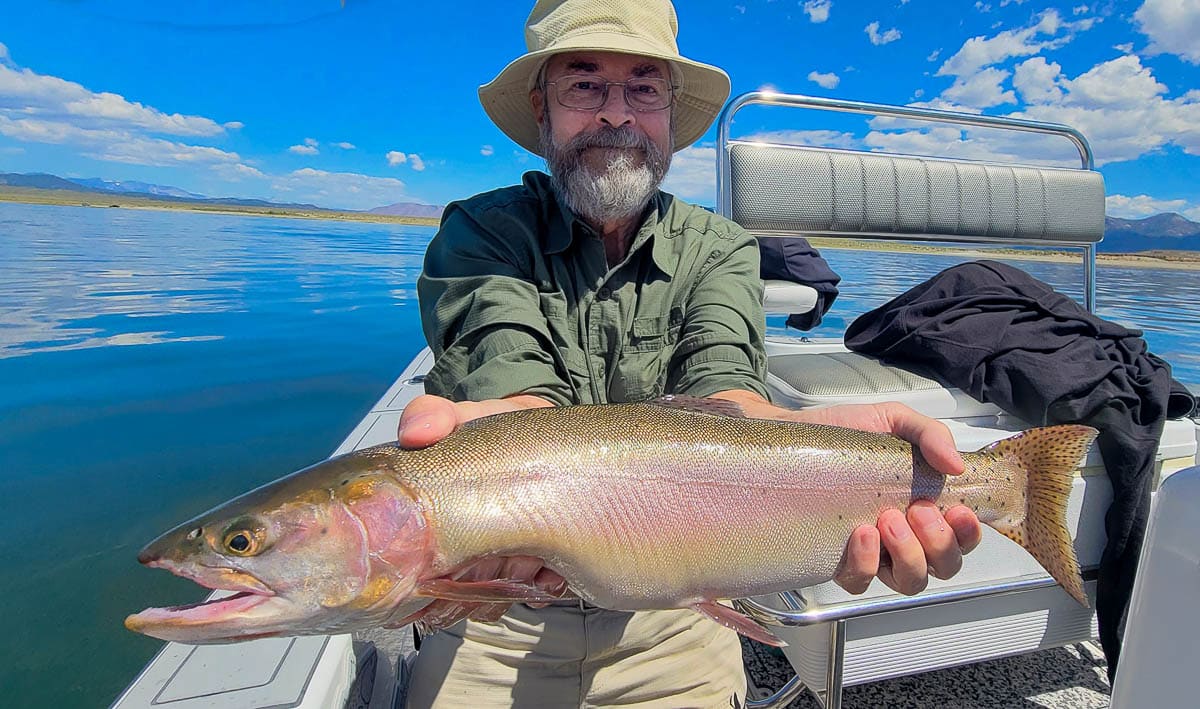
(1071,677)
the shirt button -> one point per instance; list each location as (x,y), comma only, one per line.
(603,294)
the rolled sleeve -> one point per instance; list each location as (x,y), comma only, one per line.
(721,343)
(481,315)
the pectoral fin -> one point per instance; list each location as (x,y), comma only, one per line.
(495,591)
(733,620)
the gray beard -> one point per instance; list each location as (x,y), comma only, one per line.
(621,191)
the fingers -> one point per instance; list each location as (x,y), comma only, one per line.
(967,529)
(937,538)
(909,572)
(426,420)
(931,437)
(860,560)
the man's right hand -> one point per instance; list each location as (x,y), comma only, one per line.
(428,419)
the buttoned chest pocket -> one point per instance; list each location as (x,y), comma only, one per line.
(641,373)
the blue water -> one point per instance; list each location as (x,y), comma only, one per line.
(155,363)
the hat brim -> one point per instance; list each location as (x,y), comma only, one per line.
(702,93)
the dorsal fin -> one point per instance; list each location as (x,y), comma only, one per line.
(698,405)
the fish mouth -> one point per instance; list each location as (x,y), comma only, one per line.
(222,617)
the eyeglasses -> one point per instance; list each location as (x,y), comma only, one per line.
(587,93)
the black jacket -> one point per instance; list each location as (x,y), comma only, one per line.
(1005,337)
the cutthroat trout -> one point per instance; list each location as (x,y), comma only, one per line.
(676,503)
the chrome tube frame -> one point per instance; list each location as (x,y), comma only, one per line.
(725,122)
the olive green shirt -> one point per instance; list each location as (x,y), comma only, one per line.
(517,298)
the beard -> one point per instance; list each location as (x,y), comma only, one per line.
(621,189)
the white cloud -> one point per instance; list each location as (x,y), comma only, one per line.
(933,55)
(1173,27)
(113,145)
(983,7)
(1115,84)
(344,145)
(980,52)
(1118,205)
(487,150)
(693,174)
(344,190)
(102,125)
(981,90)
(886,37)
(818,10)
(1037,81)
(304,149)
(396,158)
(233,125)
(1080,10)
(827,81)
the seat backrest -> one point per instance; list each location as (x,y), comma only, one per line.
(785,189)
(775,189)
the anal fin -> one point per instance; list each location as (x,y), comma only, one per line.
(733,620)
(494,591)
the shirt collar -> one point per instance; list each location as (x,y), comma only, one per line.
(565,226)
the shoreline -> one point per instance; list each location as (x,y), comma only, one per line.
(107,200)
(1175,260)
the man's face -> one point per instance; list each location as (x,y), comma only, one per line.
(607,161)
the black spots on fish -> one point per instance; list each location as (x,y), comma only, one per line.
(324,531)
(345,482)
(878,494)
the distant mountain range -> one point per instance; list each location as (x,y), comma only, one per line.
(1161,232)
(44,181)
(408,209)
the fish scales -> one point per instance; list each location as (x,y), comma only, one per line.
(677,509)
(668,504)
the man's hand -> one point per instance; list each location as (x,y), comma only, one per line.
(917,544)
(427,420)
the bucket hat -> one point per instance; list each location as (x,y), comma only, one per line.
(642,27)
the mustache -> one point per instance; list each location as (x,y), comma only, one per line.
(608,137)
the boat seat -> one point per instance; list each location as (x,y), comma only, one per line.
(786,297)
(806,380)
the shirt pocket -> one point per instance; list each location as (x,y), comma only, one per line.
(641,372)
(654,333)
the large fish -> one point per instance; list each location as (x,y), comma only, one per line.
(676,503)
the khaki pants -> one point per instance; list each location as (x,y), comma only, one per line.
(573,656)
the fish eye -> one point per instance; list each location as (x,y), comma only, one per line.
(241,542)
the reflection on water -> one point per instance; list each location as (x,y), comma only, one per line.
(153,364)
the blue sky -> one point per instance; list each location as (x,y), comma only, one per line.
(374,102)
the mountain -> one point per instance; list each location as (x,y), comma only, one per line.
(1161,232)
(408,209)
(132,186)
(36,180)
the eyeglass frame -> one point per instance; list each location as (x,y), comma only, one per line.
(671,89)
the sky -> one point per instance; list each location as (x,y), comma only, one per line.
(372,102)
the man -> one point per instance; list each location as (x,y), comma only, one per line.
(589,286)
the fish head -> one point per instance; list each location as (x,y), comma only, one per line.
(323,559)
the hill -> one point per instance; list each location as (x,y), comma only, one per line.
(1161,232)
(409,209)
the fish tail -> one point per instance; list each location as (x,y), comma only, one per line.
(1050,456)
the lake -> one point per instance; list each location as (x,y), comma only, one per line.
(153,364)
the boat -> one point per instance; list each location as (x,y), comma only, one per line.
(1001,604)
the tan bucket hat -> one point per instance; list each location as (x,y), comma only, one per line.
(641,27)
